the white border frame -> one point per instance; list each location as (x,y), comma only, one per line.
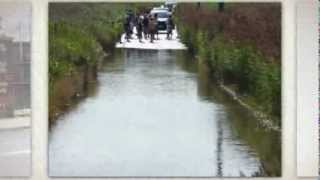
(40,89)
(307,43)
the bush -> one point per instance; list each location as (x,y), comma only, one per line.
(202,43)
(245,66)
(70,46)
(240,64)
(80,34)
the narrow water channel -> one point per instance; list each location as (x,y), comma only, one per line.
(156,113)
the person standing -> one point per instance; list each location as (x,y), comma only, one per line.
(139,27)
(131,24)
(126,27)
(156,21)
(152,28)
(170,27)
(145,26)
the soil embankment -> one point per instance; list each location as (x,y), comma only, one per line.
(68,90)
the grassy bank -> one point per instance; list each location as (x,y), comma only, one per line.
(80,36)
(242,47)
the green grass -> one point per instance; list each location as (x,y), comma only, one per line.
(234,61)
(81,34)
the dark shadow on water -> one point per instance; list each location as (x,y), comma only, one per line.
(266,143)
(219,149)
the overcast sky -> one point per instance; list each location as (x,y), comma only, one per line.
(13,15)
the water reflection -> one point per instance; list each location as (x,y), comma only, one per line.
(219,149)
(156,113)
(265,144)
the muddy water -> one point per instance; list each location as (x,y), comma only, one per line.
(156,113)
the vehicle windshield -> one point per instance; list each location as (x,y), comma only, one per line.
(162,14)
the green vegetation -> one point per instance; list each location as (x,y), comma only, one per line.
(70,47)
(242,47)
(80,35)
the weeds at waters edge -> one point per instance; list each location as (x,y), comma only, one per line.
(237,62)
(256,81)
(80,35)
(77,42)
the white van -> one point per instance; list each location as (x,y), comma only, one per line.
(162,14)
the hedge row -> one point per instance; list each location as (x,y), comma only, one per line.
(255,76)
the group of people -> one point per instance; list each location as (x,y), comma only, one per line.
(146,26)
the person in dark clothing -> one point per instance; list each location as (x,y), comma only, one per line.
(131,25)
(156,30)
(130,20)
(139,27)
(126,27)
(145,26)
(152,28)
(170,27)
